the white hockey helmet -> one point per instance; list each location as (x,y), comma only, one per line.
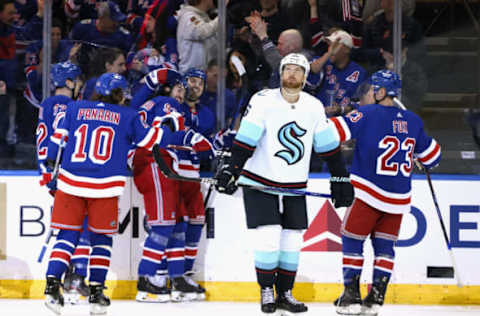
(296,59)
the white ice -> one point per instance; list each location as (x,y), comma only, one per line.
(29,307)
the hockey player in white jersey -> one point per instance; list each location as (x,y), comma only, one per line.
(273,148)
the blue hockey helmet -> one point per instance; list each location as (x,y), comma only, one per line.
(386,79)
(196,72)
(109,81)
(61,72)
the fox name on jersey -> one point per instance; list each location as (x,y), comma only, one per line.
(94,160)
(387,140)
(281,136)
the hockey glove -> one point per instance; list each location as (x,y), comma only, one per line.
(226,180)
(224,139)
(47,176)
(342,191)
(199,144)
(174,120)
(162,76)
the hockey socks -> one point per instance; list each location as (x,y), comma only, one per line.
(100,257)
(176,251)
(266,265)
(154,249)
(62,252)
(193,234)
(384,258)
(290,244)
(352,258)
(82,252)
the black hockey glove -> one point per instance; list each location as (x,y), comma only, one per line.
(226,180)
(342,191)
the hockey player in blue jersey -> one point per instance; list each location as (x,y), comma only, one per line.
(273,148)
(91,178)
(66,79)
(387,141)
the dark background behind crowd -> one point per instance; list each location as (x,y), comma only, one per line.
(440,57)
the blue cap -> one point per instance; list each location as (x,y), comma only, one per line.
(115,13)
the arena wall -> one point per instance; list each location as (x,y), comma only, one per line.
(225,263)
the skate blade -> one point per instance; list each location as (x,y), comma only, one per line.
(354,309)
(97,309)
(146,297)
(287,313)
(71,298)
(370,311)
(177,296)
(56,308)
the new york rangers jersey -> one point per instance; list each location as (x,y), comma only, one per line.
(51,111)
(339,85)
(98,138)
(387,140)
(282,136)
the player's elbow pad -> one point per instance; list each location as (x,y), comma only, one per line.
(335,162)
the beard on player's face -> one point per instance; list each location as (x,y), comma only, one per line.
(291,83)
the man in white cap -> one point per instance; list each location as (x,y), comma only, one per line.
(342,76)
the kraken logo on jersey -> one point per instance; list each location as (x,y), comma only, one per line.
(289,135)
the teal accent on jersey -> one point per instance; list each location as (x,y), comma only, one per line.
(266,260)
(325,140)
(249,133)
(289,260)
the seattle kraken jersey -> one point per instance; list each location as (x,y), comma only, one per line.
(98,138)
(282,135)
(51,111)
(388,139)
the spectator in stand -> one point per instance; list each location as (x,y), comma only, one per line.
(106,30)
(209,96)
(8,68)
(277,19)
(377,50)
(342,76)
(78,10)
(373,8)
(107,60)
(196,34)
(62,50)
(289,41)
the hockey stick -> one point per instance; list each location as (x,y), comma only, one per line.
(54,177)
(437,208)
(218,153)
(170,174)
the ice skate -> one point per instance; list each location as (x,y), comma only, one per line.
(53,296)
(200,289)
(74,286)
(153,289)
(288,305)
(98,301)
(350,302)
(182,290)
(374,300)
(267,301)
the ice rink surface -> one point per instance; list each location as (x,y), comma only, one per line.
(29,307)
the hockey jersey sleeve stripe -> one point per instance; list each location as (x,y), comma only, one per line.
(329,153)
(326,140)
(249,133)
(342,128)
(243,145)
(430,154)
(153,137)
(57,136)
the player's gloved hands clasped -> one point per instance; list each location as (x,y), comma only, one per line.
(199,144)
(342,191)
(47,178)
(162,76)
(226,181)
(224,139)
